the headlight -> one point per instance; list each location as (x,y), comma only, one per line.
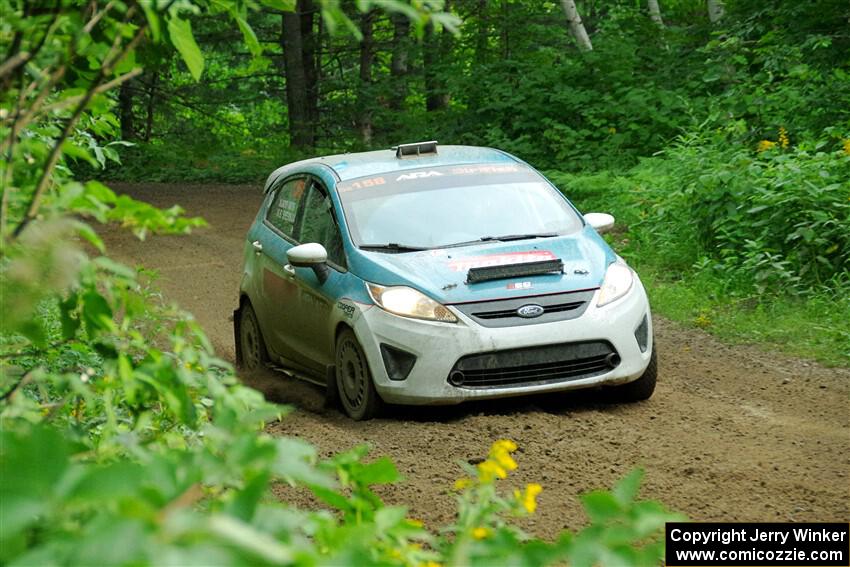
(618,281)
(408,302)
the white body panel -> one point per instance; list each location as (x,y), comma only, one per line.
(438,346)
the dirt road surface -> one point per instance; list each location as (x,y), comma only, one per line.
(732,433)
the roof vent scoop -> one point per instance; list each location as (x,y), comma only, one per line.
(419,149)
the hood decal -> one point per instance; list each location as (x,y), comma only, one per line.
(505,258)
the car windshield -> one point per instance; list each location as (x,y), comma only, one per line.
(453,206)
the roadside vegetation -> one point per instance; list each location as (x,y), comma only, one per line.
(719,138)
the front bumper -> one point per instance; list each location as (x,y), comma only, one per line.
(438,347)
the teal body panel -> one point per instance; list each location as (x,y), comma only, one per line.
(440,274)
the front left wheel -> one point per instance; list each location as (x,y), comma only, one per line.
(354,383)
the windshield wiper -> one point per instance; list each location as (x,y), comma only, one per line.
(392,247)
(504,238)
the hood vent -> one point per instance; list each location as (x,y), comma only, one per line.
(487,273)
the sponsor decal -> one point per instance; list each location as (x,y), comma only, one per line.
(418,175)
(480,169)
(361,184)
(464,264)
(347,309)
(519,285)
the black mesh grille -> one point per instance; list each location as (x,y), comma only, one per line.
(503,312)
(534,365)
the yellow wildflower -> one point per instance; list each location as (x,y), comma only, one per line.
(431,564)
(505,460)
(765,145)
(847,146)
(504,445)
(488,470)
(783,137)
(415,523)
(529,499)
(463,483)
(480,533)
(702,320)
(501,451)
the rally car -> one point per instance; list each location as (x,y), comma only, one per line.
(431,274)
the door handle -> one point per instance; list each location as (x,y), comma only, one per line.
(257,246)
(289,269)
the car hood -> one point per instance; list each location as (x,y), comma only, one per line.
(442,273)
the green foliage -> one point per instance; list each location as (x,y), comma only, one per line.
(731,238)
(204,504)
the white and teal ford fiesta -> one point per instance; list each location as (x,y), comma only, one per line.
(434,274)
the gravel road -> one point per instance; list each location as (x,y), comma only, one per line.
(732,433)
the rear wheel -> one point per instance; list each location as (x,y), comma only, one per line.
(354,380)
(251,344)
(642,388)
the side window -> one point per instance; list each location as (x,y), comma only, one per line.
(317,225)
(284,208)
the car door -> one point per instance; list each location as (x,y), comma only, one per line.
(312,313)
(280,295)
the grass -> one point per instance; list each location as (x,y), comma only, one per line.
(814,328)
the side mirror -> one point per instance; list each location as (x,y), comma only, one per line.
(311,255)
(601,222)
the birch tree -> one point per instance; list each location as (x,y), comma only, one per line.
(576,25)
(715,10)
(655,12)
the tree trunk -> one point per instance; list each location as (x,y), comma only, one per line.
(436,48)
(483,36)
(300,128)
(576,26)
(367,54)
(310,48)
(149,111)
(433,100)
(655,12)
(398,63)
(505,35)
(715,10)
(125,110)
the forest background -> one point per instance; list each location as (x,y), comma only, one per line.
(718,134)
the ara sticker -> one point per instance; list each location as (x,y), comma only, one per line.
(418,175)
(347,310)
(464,264)
(519,285)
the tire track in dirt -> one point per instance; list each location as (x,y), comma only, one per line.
(731,434)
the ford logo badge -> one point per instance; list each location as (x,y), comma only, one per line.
(530,311)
